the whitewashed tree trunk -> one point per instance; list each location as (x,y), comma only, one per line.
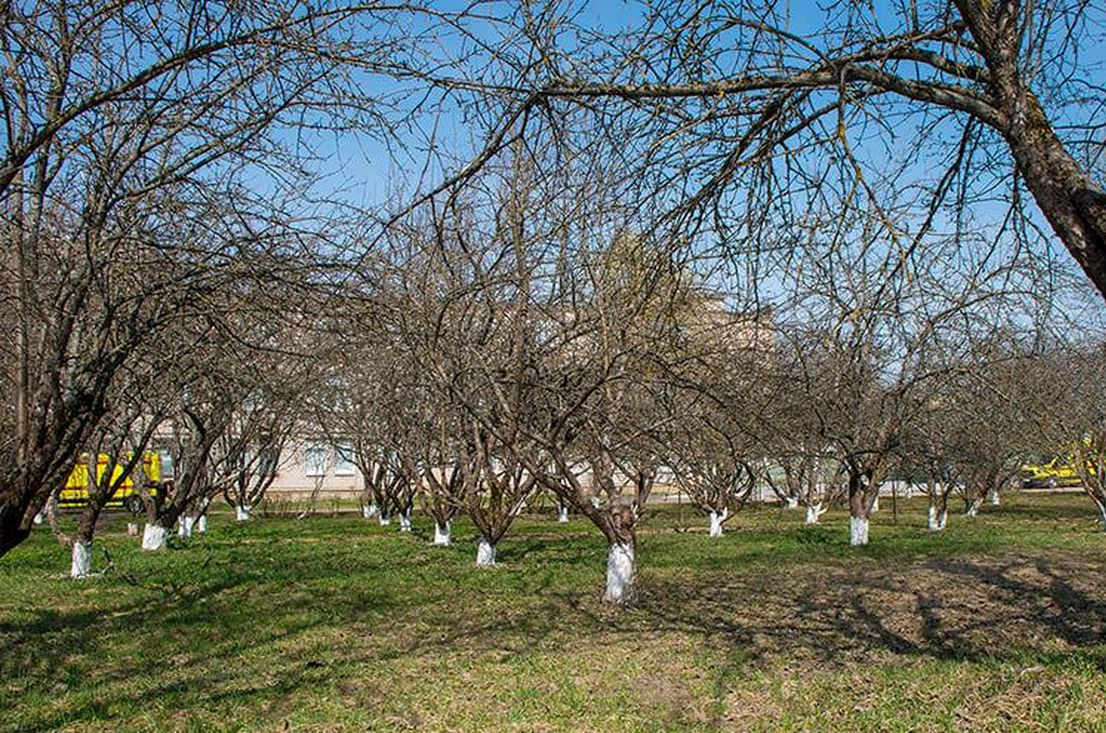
(562,514)
(154,536)
(485,553)
(442,533)
(973,508)
(716,520)
(201,523)
(185,525)
(620,574)
(942,519)
(792,502)
(875,505)
(405,521)
(132,529)
(368,511)
(81,566)
(996,499)
(931,518)
(858,531)
(814,512)
(384,519)
(1102,518)
(40,517)
(243,513)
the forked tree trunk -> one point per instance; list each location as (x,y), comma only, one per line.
(405,521)
(814,512)
(384,519)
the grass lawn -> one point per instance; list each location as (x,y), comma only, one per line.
(334,623)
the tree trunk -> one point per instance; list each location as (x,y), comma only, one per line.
(716,519)
(485,553)
(562,513)
(185,524)
(814,512)
(996,500)
(974,506)
(621,573)
(368,511)
(81,565)
(405,521)
(201,523)
(931,518)
(442,533)
(1073,204)
(384,519)
(154,536)
(243,513)
(859,509)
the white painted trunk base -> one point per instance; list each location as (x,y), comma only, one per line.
(931,519)
(942,519)
(485,553)
(716,519)
(858,531)
(814,512)
(154,536)
(875,505)
(405,522)
(1102,519)
(384,519)
(81,566)
(132,529)
(973,508)
(620,574)
(792,502)
(201,524)
(368,511)
(243,513)
(996,498)
(442,533)
(40,517)
(562,514)
(185,525)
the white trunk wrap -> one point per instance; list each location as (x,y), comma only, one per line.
(858,530)
(81,566)
(154,536)
(620,574)
(485,553)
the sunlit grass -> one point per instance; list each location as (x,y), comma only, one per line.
(334,623)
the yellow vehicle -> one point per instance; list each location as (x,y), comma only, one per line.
(1059,471)
(75,492)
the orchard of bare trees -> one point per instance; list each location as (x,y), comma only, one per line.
(710,249)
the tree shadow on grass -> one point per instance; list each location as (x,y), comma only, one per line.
(942,608)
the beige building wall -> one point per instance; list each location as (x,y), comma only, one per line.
(310,465)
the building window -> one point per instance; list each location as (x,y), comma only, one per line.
(343,458)
(314,455)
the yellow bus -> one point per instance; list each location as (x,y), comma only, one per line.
(75,492)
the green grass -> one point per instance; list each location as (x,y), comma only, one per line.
(334,623)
